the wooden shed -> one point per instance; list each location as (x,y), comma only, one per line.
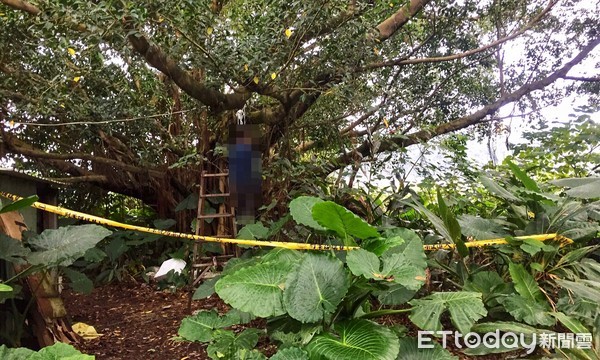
(47,319)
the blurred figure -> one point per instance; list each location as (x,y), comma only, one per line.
(245,171)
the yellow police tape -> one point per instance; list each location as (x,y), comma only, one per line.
(287,245)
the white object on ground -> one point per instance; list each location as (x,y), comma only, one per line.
(172,264)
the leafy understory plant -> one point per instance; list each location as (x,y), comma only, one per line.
(319,305)
(57,351)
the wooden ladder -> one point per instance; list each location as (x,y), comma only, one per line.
(226,227)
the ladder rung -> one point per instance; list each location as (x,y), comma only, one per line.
(213,216)
(216,175)
(215,195)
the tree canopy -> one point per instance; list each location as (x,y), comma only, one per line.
(129,96)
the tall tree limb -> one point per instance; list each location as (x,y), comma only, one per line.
(389,26)
(424,135)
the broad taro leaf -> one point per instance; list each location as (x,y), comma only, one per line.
(60,351)
(227,344)
(79,281)
(21,353)
(206,289)
(465,309)
(396,268)
(200,327)
(480,228)
(363,263)
(494,188)
(256,289)
(315,287)
(525,284)
(409,350)
(12,250)
(488,283)
(301,211)
(412,249)
(378,246)
(582,188)
(343,222)
(527,310)
(356,339)
(255,231)
(292,353)
(394,294)
(66,244)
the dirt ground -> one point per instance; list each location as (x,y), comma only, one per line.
(139,322)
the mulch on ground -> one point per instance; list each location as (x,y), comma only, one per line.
(137,321)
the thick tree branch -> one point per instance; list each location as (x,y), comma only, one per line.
(405,61)
(19,147)
(165,64)
(22,6)
(389,26)
(582,78)
(425,135)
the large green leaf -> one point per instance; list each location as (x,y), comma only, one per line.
(522,176)
(582,188)
(527,310)
(343,222)
(356,339)
(505,326)
(253,231)
(292,353)
(229,345)
(394,294)
(315,287)
(525,284)
(586,289)
(301,211)
(21,353)
(256,289)
(488,283)
(12,250)
(378,246)
(412,249)
(206,289)
(200,327)
(409,350)
(480,228)
(452,225)
(465,309)
(19,204)
(60,351)
(396,268)
(66,244)
(79,281)
(498,190)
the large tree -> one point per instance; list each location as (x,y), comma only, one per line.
(128,95)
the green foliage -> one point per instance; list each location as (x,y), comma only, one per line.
(409,350)
(356,339)
(465,309)
(19,204)
(64,245)
(54,352)
(257,289)
(301,211)
(343,222)
(315,288)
